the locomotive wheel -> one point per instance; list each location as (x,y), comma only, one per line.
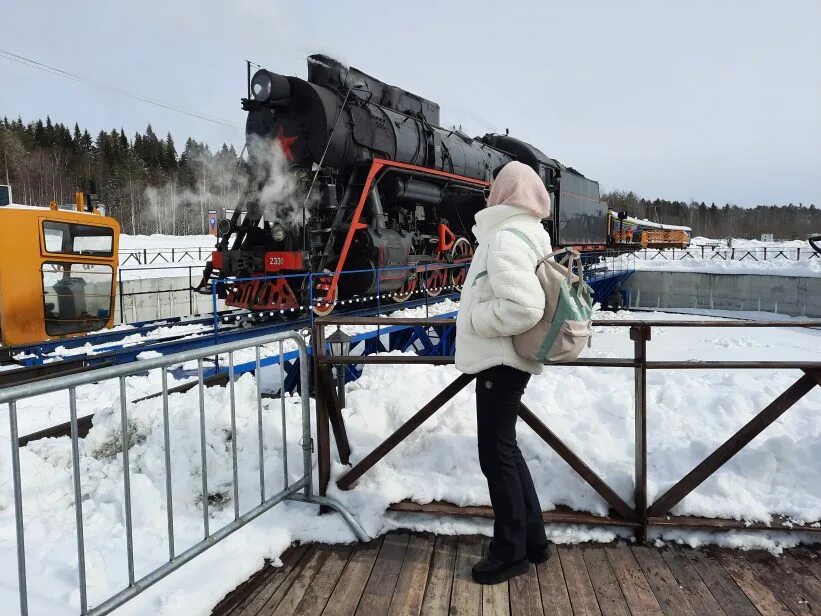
(323,303)
(407,290)
(460,252)
(435,281)
(323,308)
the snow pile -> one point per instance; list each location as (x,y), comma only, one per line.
(689,414)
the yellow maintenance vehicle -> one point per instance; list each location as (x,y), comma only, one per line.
(58,270)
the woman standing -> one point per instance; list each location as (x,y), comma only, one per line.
(502,297)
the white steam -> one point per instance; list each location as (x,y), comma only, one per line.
(281,195)
(218,181)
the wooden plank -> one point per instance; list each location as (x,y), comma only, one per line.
(699,596)
(762,596)
(732,600)
(440,580)
(664,586)
(413,577)
(495,597)
(376,599)
(803,577)
(784,585)
(276,598)
(271,584)
(560,515)
(316,597)
(313,562)
(611,600)
(579,588)
(524,595)
(555,599)
(351,583)
(810,559)
(466,597)
(633,584)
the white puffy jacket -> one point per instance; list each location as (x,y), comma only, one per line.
(508,299)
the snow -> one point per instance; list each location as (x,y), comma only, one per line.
(159,241)
(689,413)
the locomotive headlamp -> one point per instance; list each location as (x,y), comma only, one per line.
(261,84)
(268,86)
(279,234)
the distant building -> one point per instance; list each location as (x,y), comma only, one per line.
(5,195)
(766,237)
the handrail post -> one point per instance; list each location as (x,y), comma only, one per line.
(323,433)
(640,334)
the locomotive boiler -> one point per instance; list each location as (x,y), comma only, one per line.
(387,193)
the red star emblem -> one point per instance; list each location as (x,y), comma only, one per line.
(285,144)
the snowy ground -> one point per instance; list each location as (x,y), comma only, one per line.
(690,412)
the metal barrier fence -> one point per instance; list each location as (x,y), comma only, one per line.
(433,280)
(158,256)
(127,300)
(713,253)
(300,490)
(642,515)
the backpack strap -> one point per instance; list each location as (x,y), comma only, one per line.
(522,237)
(540,260)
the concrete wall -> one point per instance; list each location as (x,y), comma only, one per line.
(147,299)
(794,296)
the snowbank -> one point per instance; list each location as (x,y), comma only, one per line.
(690,412)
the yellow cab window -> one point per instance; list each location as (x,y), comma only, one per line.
(76,239)
(76,296)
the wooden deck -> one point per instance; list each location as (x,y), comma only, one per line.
(411,574)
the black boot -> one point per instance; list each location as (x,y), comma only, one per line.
(490,571)
(536,554)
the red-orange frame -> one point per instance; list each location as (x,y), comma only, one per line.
(376,166)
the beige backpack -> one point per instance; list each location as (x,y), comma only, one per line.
(565,327)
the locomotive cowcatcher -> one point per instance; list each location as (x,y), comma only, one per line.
(388,194)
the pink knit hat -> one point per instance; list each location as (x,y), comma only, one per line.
(517,184)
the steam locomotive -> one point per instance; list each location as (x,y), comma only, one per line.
(388,193)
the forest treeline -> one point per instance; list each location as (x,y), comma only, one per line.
(786,222)
(150,187)
(142,180)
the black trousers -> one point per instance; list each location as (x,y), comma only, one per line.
(518,516)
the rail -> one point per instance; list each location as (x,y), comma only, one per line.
(641,515)
(300,490)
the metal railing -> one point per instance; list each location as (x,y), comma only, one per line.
(159,256)
(719,253)
(300,490)
(641,515)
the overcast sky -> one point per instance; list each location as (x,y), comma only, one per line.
(707,100)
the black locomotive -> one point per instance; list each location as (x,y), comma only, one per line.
(389,192)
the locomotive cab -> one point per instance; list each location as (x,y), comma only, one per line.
(58,271)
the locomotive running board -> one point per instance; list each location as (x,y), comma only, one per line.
(378,165)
